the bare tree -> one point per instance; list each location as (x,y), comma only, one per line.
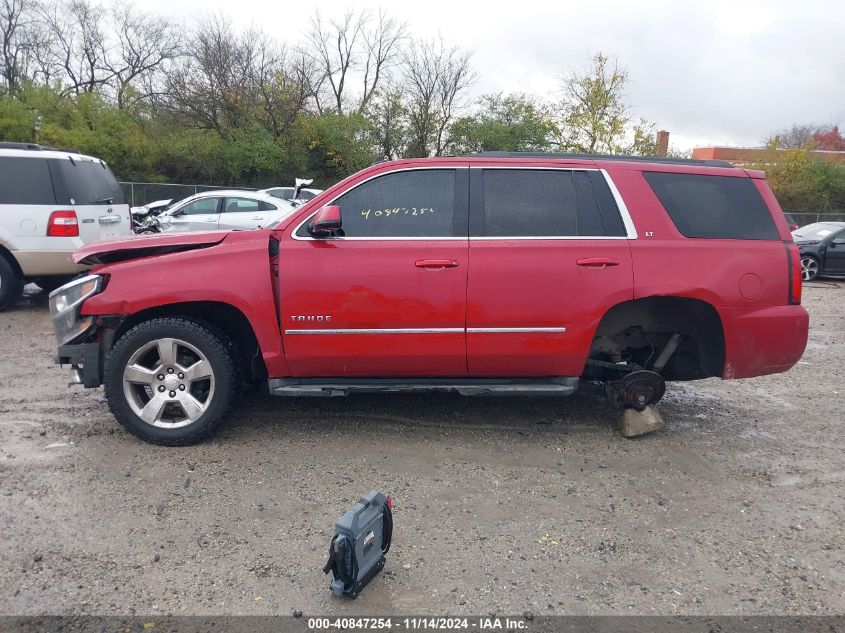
(436,80)
(227,80)
(281,84)
(795,137)
(143,45)
(357,43)
(383,41)
(16,20)
(79,44)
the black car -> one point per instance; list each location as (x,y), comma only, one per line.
(822,247)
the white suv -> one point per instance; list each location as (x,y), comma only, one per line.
(51,203)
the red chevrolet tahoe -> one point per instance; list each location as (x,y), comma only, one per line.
(497,273)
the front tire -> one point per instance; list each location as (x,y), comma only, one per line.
(171,380)
(810,267)
(11,286)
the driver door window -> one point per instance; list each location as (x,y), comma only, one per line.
(198,215)
(405,204)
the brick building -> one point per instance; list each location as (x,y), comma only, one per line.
(751,155)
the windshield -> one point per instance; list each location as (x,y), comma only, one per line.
(818,231)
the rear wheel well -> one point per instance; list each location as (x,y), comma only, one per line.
(7,255)
(222,315)
(636,332)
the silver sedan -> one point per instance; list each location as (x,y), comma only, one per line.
(224,209)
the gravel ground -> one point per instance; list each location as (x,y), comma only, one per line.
(505,505)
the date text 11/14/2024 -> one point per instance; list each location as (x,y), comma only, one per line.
(419,623)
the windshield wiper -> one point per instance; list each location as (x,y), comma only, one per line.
(103,201)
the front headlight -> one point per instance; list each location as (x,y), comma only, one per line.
(66,303)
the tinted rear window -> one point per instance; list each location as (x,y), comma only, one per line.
(90,182)
(714,206)
(25,181)
(548,203)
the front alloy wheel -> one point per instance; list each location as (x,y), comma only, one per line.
(168,383)
(809,268)
(170,380)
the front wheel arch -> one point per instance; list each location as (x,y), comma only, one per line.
(224,316)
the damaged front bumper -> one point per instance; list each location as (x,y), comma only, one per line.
(86,363)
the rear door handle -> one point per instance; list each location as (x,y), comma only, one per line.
(258,217)
(596,262)
(436,263)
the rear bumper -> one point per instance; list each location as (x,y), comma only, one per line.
(761,341)
(38,263)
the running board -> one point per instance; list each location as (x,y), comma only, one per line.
(327,387)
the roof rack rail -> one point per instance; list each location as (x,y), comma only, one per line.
(642,159)
(30,146)
(36,147)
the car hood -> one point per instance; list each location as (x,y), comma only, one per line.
(111,251)
(805,241)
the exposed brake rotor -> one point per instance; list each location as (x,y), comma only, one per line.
(636,390)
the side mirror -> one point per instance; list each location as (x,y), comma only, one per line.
(839,241)
(325,222)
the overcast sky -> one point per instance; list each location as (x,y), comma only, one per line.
(710,72)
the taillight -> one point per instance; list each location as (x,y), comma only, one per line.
(63,224)
(794,273)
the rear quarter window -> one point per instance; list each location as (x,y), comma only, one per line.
(25,181)
(716,207)
(90,182)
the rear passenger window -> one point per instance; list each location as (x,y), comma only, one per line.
(25,181)
(408,204)
(244,205)
(548,203)
(723,207)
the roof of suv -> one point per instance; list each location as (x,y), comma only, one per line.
(31,150)
(643,159)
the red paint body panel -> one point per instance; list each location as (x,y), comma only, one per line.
(89,252)
(537,283)
(762,341)
(236,271)
(366,284)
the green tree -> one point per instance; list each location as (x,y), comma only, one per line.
(85,122)
(511,123)
(594,116)
(804,182)
(338,144)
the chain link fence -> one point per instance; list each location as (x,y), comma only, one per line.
(803,218)
(138,194)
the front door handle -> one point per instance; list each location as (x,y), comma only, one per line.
(436,264)
(596,262)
